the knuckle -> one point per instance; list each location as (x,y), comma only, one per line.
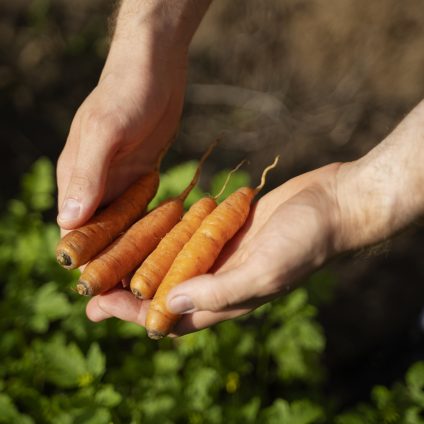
(105,126)
(217,301)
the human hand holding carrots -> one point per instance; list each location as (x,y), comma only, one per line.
(249,270)
(133,112)
(293,230)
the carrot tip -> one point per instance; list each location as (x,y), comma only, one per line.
(137,293)
(64,259)
(83,289)
(155,335)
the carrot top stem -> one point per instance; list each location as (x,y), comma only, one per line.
(163,151)
(264,174)
(196,176)
(228,179)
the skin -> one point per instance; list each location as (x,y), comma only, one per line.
(133,112)
(291,231)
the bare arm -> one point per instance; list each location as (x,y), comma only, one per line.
(134,110)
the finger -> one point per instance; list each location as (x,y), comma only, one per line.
(94,312)
(218,292)
(123,305)
(67,160)
(203,319)
(98,140)
(117,303)
(295,240)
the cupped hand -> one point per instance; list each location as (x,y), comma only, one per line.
(290,232)
(118,132)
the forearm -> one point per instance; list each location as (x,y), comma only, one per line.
(383,192)
(162,27)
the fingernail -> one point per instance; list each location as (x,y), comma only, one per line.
(181,305)
(70,210)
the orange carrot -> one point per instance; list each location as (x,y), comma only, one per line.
(200,253)
(147,278)
(151,272)
(127,252)
(82,244)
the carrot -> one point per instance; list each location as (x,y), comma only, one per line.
(82,244)
(200,252)
(128,251)
(147,278)
(151,272)
(79,246)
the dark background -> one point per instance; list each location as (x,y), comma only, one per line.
(335,78)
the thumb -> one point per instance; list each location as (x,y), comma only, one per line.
(85,184)
(216,292)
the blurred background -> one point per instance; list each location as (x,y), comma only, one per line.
(316,81)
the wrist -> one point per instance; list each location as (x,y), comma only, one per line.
(367,206)
(382,193)
(165,23)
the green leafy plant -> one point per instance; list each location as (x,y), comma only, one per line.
(57,367)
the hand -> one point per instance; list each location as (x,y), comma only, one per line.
(132,114)
(295,229)
(289,233)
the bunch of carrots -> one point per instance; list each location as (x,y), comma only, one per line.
(161,249)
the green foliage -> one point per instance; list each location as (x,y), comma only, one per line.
(298,412)
(57,367)
(173,182)
(403,404)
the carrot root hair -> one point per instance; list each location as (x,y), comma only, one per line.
(196,176)
(265,173)
(164,151)
(227,180)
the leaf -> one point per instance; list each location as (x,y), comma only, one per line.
(299,412)
(250,410)
(96,361)
(381,396)
(129,330)
(160,406)
(351,418)
(38,185)
(201,387)
(413,415)
(108,396)
(64,365)
(415,382)
(49,305)
(9,413)
(289,306)
(166,362)
(174,181)
(93,416)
